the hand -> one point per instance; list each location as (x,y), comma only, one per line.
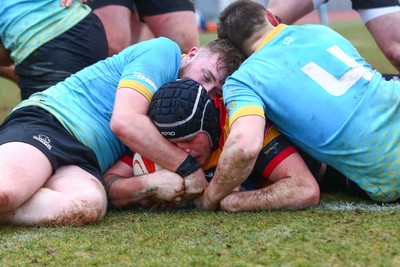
(167,186)
(195,184)
(68,3)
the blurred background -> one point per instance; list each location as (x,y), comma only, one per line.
(336,14)
(208,10)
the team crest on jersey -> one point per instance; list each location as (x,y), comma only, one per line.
(288,40)
(231,106)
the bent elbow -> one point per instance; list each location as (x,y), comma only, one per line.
(122,128)
(252,151)
(117,126)
(311,197)
(248,149)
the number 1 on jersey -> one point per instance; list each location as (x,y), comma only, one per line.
(331,84)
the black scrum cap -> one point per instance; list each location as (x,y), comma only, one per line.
(182,108)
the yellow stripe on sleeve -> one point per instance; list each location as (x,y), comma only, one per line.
(246,111)
(137,87)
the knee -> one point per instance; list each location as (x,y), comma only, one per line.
(89,212)
(84,209)
(393,56)
(8,200)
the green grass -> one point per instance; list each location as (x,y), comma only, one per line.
(9,97)
(342,231)
(312,237)
(365,44)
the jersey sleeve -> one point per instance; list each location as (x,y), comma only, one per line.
(239,100)
(149,65)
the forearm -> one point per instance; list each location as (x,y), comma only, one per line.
(234,166)
(283,194)
(126,192)
(135,129)
(156,148)
(226,179)
(237,159)
(162,186)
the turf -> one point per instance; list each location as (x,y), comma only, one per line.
(342,231)
(313,237)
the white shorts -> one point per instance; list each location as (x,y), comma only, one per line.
(368,14)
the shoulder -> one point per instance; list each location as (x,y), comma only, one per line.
(160,46)
(164,43)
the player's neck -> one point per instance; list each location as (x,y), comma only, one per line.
(255,41)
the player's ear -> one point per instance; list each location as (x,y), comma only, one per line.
(192,52)
(271,18)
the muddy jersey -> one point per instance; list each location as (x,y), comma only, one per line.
(325,98)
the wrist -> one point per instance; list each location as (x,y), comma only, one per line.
(109,182)
(212,205)
(187,167)
(209,201)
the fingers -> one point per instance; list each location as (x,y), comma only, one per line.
(194,186)
(67,3)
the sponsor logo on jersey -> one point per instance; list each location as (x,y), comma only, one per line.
(145,79)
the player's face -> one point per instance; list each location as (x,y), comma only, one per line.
(202,67)
(197,146)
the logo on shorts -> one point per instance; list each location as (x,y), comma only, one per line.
(44,140)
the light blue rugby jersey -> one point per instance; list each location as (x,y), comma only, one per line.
(25,25)
(320,93)
(83,103)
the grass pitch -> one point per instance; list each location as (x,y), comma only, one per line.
(342,231)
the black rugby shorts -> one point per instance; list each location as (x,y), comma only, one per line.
(37,127)
(369,4)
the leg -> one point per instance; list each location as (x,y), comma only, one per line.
(384,30)
(140,31)
(179,26)
(34,144)
(290,11)
(24,169)
(7,65)
(116,20)
(292,186)
(81,46)
(8,73)
(175,19)
(71,196)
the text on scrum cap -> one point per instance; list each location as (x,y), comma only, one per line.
(182,108)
